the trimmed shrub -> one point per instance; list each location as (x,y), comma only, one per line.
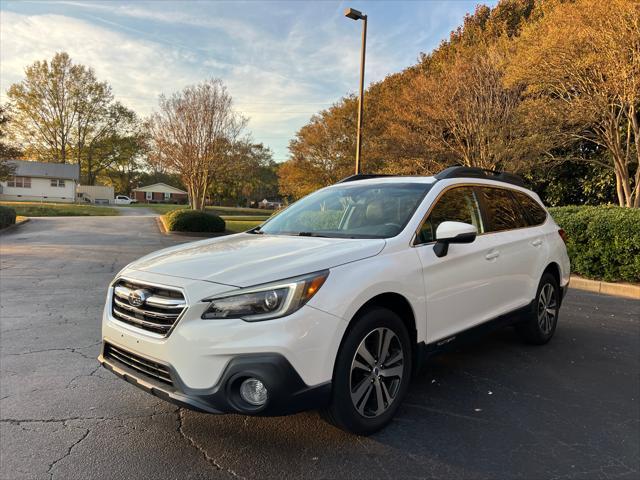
(603,242)
(193,221)
(7,216)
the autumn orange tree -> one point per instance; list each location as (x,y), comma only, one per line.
(580,67)
(528,86)
(451,108)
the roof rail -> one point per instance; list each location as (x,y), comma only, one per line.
(474,172)
(363,176)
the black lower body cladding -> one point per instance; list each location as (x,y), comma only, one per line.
(287,392)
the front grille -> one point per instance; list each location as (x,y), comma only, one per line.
(143,365)
(157,309)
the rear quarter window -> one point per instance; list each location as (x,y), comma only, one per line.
(536,215)
(502,210)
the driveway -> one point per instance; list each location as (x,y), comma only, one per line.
(496,409)
(136,211)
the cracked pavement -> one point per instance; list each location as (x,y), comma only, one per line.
(494,409)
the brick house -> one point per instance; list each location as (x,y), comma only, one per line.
(159,193)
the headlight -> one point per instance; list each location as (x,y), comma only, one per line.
(266,301)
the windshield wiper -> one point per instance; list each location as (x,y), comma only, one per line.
(256,230)
(311,234)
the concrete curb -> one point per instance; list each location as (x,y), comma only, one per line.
(625,290)
(14,226)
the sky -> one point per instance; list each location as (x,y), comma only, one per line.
(281,61)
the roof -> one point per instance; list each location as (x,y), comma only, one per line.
(376,180)
(67,171)
(457,171)
(159,187)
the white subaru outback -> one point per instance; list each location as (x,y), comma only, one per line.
(334,302)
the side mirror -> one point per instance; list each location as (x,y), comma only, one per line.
(453,232)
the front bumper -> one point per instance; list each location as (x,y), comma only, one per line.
(294,354)
(287,392)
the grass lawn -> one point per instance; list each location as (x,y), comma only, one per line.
(240,226)
(37,209)
(245,218)
(160,208)
(249,213)
(239,211)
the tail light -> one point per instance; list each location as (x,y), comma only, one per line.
(563,235)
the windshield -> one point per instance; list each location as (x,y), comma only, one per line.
(350,211)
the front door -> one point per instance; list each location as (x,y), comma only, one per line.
(458,284)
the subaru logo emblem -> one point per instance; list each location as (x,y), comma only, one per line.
(138,297)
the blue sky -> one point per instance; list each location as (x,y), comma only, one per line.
(282,61)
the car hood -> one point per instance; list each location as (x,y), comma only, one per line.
(244,259)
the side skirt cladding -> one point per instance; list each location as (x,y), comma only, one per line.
(472,335)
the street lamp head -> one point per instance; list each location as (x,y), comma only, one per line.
(354,14)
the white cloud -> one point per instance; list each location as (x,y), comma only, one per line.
(138,70)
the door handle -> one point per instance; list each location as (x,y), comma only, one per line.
(536,243)
(492,255)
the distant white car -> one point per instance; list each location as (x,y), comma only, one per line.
(124,200)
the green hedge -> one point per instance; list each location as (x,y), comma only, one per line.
(193,221)
(603,242)
(7,216)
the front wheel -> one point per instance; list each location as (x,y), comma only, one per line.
(372,373)
(541,323)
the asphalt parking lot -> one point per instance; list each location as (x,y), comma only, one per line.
(495,409)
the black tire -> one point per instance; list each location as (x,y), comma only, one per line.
(356,377)
(541,322)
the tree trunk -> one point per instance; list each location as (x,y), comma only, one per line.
(635,123)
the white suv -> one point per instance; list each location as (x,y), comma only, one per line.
(335,301)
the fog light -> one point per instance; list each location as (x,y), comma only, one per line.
(253,392)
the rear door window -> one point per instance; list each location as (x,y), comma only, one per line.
(502,210)
(536,215)
(456,205)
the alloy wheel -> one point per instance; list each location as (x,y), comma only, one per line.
(547,309)
(376,372)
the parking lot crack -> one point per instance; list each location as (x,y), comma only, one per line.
(67,453)
(68,349)
(212,461)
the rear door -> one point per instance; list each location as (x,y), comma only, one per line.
(517,249)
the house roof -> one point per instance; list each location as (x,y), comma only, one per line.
(67,171)
(159,187)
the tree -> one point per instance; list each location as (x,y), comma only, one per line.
(7,151)
(450,108)
(252,176)
(323,151)
(461,113)
(580,65)
(57,107)
(193,134)
(116,137)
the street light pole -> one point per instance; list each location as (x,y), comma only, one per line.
(356,15)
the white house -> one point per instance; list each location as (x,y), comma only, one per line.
(37,181)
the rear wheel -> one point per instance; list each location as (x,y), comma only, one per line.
(541,323)
(372,373)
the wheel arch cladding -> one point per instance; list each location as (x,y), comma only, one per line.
(554,269)
(395,302)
